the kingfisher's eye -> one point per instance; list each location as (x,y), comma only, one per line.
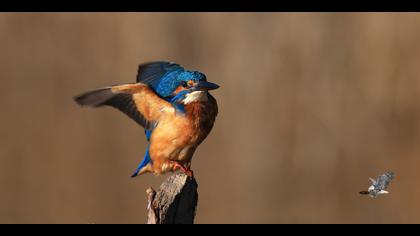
(184,84)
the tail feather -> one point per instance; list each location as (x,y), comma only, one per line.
(94,98)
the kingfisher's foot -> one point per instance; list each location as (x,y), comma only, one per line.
(184,169)
(189,172)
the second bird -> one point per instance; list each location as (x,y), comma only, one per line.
(172,104)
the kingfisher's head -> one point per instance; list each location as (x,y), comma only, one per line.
(192,86)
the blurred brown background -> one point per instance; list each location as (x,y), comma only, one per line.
(311,105)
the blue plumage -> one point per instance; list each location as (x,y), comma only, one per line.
(164,78)
(167,84)
(151,73)
(148,133)
(146,160)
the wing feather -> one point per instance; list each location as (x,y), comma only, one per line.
(383,180)
(151,73)
(137,101)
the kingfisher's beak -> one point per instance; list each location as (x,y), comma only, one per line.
(204,85)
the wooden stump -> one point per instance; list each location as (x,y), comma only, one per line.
(175,202)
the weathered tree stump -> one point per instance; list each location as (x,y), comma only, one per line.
(175,202)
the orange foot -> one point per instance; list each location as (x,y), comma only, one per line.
(185,170)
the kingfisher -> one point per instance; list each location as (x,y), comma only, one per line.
(173,105)
(379,185)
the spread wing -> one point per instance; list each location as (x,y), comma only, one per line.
(137,101)
(151,73)
(372,180)
(383,181)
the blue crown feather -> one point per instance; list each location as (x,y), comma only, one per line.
(165,77)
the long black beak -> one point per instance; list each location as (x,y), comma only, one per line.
(204,85)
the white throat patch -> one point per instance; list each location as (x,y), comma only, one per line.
(196,96)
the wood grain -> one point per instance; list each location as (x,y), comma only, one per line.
(175,202)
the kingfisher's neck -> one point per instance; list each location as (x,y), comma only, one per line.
(196,96)
(192,102)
